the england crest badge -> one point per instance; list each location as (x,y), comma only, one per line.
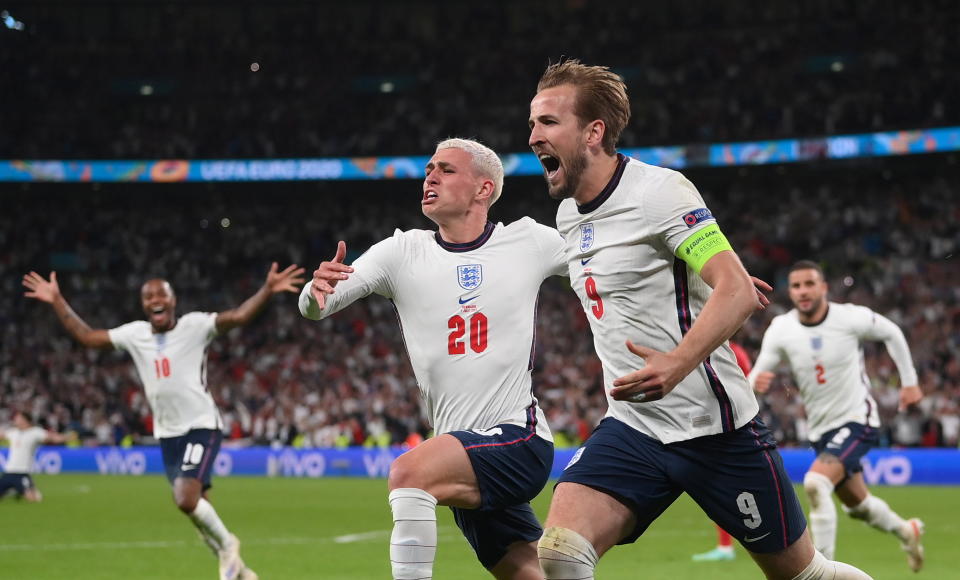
(586,236)
(470,276)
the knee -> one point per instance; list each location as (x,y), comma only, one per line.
(186,502)
(818,488)
(402,475)
(564,553)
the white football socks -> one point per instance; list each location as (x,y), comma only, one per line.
(878,514)
(822,569)
(413,544)
(823,514)
(214,533)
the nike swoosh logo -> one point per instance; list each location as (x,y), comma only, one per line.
(584,262)
(757,539)
(462,301)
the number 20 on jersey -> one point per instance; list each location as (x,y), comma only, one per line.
(458,328)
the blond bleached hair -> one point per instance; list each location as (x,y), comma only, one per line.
(485,161)
(601,94)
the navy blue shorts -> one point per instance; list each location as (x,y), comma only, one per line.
(19,482)
(849,444)
(737,478)
(512,464)
(191,455)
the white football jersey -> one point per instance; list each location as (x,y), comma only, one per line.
(621,251)
(827,363)
(467,313)
(23,448)
(173,369)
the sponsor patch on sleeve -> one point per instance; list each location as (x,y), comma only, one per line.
(696,216)
(703,245)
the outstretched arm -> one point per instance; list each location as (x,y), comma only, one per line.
(54,438)
(49,291)
(287,280)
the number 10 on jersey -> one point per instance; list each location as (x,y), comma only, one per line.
(458,328)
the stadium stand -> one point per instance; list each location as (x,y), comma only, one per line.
(176,79)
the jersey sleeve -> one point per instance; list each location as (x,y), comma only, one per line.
(120,336)
(553,255)
(770,354)
(872,326)
(373,273)
(204,322)
(680,217)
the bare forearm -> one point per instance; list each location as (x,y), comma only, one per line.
(70,320)
(724,313)
(244,313)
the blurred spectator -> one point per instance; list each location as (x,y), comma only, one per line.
(871,222)
(303,79)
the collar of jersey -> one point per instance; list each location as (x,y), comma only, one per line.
(822,320)
(611,185)
(466,246)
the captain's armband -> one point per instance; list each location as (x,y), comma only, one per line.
(703,245)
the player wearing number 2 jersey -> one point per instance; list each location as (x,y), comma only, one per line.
(821,341)
(466,298)
(651,266)
(170,354)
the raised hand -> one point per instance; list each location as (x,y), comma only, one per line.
(288,280)
(40,288)
(661,373)
(328,274)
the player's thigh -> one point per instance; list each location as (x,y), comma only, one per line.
(739,480)
(440,467)
(511,463)
(502,539)
(787,563)
(615,486)
(191,456)
(840,451)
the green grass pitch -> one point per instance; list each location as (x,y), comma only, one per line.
(119,527)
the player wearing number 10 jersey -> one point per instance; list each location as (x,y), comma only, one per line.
(170,354)
(466,298)
(821,341)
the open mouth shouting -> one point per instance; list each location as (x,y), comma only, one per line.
(429,196)
(551,166)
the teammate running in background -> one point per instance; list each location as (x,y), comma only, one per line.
(821,342)
(24,438)
(663,291)
(466,297)
(723,551)
(170,354)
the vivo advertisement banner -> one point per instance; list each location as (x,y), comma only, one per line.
(883,467)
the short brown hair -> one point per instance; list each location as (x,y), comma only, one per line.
(807,265)
(601,94)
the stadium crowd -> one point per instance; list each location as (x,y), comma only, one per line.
(305,79)
(883,230)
